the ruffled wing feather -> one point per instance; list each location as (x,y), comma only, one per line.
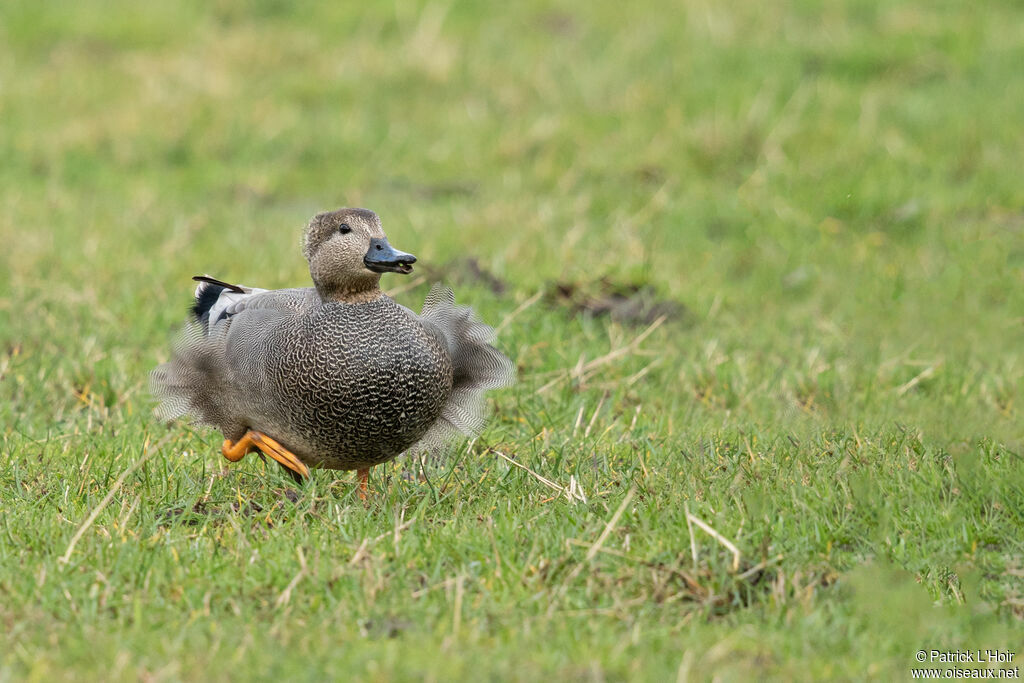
(477,367)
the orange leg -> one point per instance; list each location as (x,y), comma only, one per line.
(253,441)
(364,478)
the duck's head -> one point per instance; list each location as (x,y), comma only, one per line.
(347,251)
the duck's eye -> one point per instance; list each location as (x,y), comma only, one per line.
(344,228)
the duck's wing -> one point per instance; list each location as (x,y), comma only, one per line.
(228,324)
(476,366)
(217,302)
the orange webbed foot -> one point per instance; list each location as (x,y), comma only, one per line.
(253,441)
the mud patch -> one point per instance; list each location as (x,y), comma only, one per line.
(625,303)
(249,509)
(467,272)
(193,516)
(388,627)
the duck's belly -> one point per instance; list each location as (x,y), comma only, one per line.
(350,394)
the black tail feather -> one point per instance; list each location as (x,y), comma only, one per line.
(206,297)
(220,283)
(207,294)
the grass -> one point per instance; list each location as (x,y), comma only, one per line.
(829,192)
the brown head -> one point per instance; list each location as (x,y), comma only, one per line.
(347,251)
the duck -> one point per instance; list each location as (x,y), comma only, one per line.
(334,376)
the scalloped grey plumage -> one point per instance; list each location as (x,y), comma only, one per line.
(341,384)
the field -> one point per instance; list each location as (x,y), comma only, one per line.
(760,266)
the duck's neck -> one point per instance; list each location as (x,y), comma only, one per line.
(350,296)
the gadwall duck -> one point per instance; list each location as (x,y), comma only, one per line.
(338,375)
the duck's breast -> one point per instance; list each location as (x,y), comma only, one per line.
(360,383)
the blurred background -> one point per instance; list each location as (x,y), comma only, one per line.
(839,180)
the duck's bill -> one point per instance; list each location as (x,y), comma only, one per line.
(383,258)
(403,267)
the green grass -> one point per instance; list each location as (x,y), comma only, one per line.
(832,191)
